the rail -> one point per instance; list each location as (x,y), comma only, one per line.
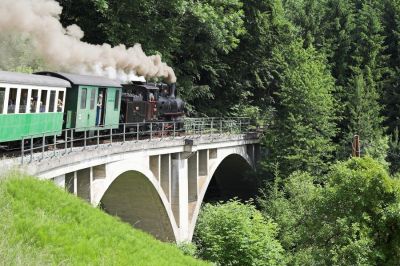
(57,144)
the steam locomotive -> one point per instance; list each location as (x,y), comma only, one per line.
(44,103)
(150,102)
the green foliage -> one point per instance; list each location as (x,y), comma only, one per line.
(211,31)
(301,136)
(188,248)
(363,119)
(101,5)
(235,233)
(348,217)
(394,152)
(308,16)
(363,110)
(391,24)
(253,75)
(43,225)
(223,20)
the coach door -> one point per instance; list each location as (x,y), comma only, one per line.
(86,116)
(83,115)
(101,106)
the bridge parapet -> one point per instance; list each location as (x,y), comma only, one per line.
(36,149)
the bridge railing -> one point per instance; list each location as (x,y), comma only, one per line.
(57,144)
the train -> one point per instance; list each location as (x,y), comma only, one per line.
(44,103)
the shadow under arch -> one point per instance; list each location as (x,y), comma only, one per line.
(232,177)
(134,199)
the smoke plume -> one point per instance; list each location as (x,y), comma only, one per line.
(62,48)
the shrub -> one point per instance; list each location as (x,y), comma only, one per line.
(235,233)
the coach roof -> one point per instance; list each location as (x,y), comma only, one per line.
(31,79)
(76,79)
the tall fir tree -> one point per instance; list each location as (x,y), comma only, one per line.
(391,97)
(301,135)
(364,119)
(364,89)
(391,24)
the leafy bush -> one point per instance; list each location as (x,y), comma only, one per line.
(235,233)
(188,248)
(351,216)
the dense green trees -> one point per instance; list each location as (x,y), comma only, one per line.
(235,233)
(351,35)
(348,217)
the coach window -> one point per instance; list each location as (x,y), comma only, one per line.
(52,101)
(12,100)
(34,100)
(2,96)
(92,99)
(43,101)
(60,101)
(116,103)
(83,98)
(23,101)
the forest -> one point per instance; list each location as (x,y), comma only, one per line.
(312,73)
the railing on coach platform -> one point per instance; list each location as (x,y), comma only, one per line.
(57,144)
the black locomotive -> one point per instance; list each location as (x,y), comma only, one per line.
(146,102)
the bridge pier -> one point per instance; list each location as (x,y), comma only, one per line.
(193,183)
(180,196)
(165,174)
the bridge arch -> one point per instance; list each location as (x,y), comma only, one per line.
(135,196)
(236,165)
(175,177)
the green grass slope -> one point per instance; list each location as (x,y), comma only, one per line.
(40,224)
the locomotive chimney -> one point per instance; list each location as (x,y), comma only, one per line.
(172,88)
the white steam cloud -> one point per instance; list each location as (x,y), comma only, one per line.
(63,49)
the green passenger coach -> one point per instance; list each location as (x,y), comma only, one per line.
(92,102)
(30,105)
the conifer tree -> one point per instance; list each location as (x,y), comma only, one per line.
(364,119)
(391,24)
(301,136)
(363,113)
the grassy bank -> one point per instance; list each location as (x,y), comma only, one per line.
(40,224)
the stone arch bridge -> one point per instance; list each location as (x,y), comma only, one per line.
(157,185)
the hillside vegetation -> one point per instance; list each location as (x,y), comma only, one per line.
(40,224)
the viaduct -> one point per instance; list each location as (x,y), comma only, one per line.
(157,184)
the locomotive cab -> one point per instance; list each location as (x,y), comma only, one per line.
(139,103)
